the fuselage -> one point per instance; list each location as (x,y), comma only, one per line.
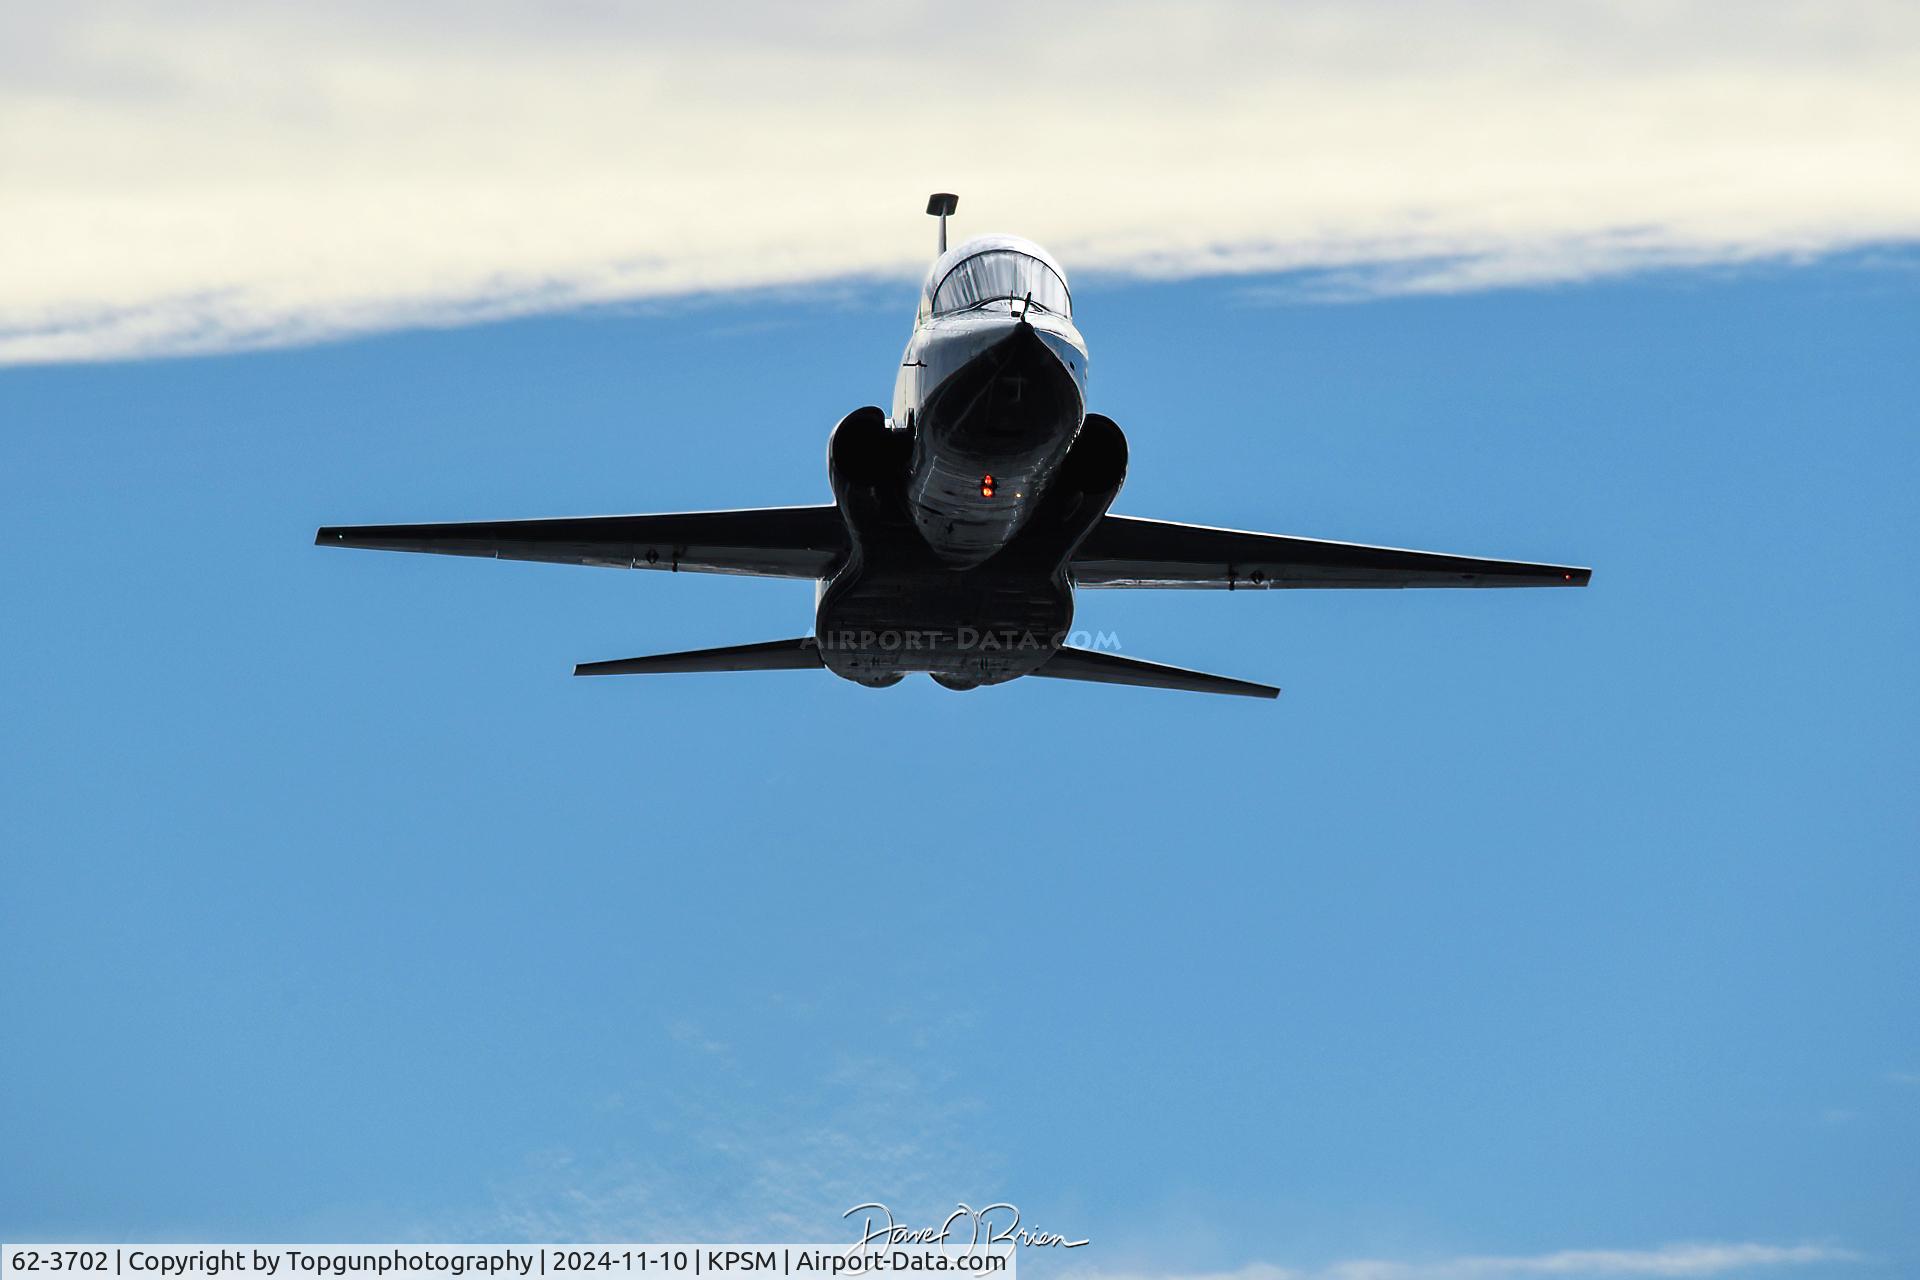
(963,507)
(991,390)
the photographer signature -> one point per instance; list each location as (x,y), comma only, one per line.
(994,1224)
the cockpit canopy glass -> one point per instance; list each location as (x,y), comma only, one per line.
(1000,274)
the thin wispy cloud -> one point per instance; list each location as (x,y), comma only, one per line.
(213,175)
(722,1158)
(1672,1260)
(730,1156)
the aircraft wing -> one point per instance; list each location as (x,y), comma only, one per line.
(1112,668)
(765,542)
(1127,551)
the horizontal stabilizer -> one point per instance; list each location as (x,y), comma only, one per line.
(772,655)
(1111,668)
(1127,551)
(765,542)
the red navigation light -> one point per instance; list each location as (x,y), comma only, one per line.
(986,486)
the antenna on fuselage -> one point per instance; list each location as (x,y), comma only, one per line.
(940,204)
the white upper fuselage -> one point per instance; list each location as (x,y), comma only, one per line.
(972,314)
(992,412)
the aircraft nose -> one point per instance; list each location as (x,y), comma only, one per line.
(1034,370)
(1029,345)
(1023,348)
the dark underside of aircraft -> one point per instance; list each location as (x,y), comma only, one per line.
(913,613)
(962,523)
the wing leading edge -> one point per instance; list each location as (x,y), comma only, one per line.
(765,542)
(807,542)
(1111,668)
(1128,551)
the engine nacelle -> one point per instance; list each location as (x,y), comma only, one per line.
(1096,465)
(864,453)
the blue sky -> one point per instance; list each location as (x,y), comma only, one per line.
(1525,922)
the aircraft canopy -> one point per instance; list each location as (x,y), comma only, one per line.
(993,268)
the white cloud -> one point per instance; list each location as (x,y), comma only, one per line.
(724,1156)
(1673,1260)
(211,174)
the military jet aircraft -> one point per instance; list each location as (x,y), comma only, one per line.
(962,522)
